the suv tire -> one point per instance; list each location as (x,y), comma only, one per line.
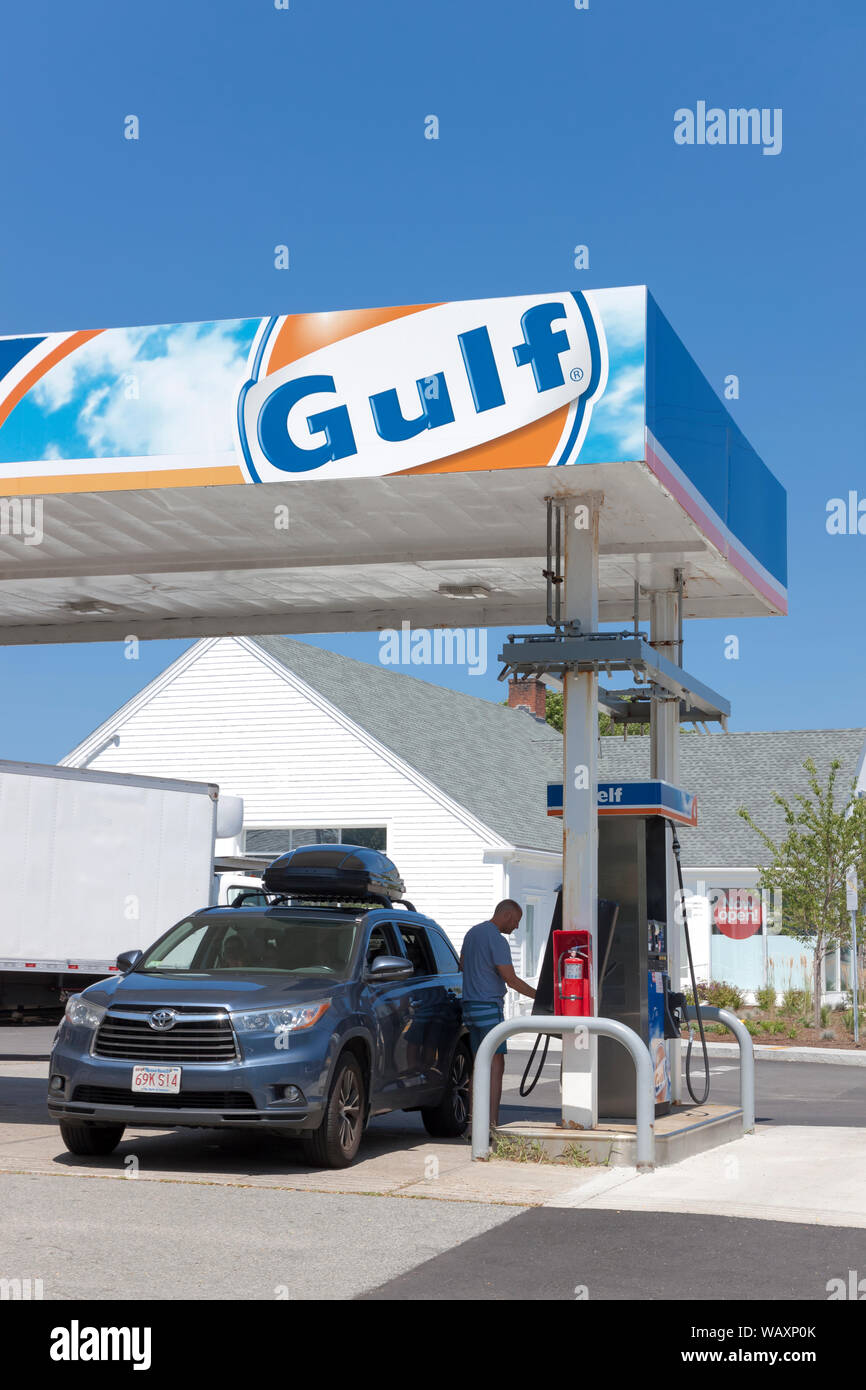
(448,1119)
(337,1140)
(90,1140)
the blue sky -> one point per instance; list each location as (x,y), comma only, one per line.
(305,127)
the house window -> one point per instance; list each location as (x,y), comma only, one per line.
(530,960)
(280,839)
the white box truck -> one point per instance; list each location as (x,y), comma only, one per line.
(93,863)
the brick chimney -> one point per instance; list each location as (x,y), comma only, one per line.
(529,694)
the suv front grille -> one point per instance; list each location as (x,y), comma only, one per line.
(186,1100)
(206,1038)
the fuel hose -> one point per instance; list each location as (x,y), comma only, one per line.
(703,1098)
(527,1086)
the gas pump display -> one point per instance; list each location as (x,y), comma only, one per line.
(657,990)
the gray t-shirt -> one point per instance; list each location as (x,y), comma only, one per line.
(484,947)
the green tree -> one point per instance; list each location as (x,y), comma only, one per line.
(825,837)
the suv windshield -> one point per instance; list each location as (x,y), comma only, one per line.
(271,942)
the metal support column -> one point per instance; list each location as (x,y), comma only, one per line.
(579,814)
(666,635)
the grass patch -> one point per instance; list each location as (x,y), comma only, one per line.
(517,1148)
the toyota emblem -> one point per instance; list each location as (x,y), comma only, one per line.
(163,1019)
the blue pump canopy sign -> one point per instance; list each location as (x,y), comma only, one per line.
(654,798)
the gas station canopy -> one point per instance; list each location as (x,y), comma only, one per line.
(358,470)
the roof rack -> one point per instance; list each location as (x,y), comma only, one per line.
(368,903)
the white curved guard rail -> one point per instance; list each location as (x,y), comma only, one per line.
(541,1023)
(747,1057)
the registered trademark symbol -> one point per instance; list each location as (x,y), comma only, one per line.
(576,373)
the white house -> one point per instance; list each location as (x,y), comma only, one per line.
(323,747)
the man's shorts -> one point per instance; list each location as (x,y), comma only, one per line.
(480,1016)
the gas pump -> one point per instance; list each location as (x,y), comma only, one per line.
(633,935)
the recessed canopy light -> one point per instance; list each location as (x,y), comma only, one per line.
(464,590)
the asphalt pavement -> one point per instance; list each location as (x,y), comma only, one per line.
(550,1254)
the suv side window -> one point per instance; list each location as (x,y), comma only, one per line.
(447,962)
(380,943)
(415,945)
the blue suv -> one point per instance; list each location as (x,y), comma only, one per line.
(326,1005)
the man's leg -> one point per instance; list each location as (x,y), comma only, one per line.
(496,1073)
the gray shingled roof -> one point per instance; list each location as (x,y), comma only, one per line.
(739,769)
(496,761)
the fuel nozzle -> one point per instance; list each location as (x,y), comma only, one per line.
(675,1010)
(678,1004)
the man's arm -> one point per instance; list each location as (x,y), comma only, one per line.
(513,980)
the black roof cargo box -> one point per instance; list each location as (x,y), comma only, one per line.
(350,872)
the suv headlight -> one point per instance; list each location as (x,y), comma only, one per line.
(82,1013)
(280,1020)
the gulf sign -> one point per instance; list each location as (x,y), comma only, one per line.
(473,385)
(655,798)
(493,383)
(480,385)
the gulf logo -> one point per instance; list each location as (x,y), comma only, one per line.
(460,387)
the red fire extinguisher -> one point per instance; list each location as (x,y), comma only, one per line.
(572,978)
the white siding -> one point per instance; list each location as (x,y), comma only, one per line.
(224,714)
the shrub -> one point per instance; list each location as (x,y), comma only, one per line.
(774,1025)
(848,1020)
(766,999)
(751,1027)
(825,1015)
(795,1001)
(720,994)
(828,1035)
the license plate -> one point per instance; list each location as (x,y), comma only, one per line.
(158,1081)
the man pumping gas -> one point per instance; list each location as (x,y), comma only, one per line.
(487,973)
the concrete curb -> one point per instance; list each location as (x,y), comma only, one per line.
(764,1052)
(838,1056)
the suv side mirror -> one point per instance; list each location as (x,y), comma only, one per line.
(128,961)
(389,968)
